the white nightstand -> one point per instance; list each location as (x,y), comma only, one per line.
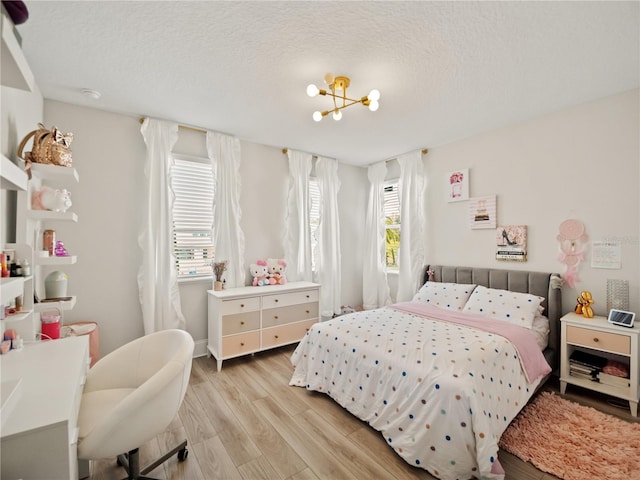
(598,337)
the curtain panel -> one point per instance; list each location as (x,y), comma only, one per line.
(328,258)
(228,237)
(157,276)
(297,234)
(375,288)
(411,190)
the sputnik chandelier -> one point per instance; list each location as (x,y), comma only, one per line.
(340,100)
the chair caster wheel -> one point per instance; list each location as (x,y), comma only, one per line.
(183,453)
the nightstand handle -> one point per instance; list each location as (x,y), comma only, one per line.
(595,340)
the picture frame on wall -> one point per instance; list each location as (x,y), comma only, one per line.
(458,185)
(482,212)
(511,243)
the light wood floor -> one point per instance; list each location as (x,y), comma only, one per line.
(245,422)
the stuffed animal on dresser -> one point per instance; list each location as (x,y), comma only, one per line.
(275,267)
(260,273)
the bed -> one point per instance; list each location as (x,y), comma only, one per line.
(440,377)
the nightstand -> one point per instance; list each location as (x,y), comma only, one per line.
(598,337)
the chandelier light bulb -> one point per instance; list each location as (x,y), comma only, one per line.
(373,106)
(312,90)
(317,116)
(374,95)
(337,115)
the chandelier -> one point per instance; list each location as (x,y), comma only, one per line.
(337,89)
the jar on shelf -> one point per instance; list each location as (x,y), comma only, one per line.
(49,241)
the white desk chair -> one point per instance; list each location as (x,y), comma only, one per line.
(132,395)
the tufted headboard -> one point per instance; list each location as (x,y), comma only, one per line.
(536,283)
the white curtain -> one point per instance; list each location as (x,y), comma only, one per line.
(157,277)
(228,237)
(375,289)
(297,235)
(328,260)
(411,190)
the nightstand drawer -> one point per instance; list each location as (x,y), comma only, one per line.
(595,339)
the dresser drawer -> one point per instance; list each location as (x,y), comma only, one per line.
(234,345)
(284,334)
(291,298)
(241,305)
(240,322)
(293,313)
(611,342)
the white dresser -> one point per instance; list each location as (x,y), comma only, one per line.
(251,319)
(41,389)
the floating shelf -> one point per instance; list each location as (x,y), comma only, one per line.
(53,260)
(62,305)
(45,215)
(55,173)
(15,69)
(12,287)
(13,178)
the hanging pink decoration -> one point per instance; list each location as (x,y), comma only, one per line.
(572,240)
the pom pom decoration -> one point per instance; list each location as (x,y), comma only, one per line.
(572,241)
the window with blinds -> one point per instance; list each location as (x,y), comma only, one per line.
(392,223)
(192,184)
(314,217)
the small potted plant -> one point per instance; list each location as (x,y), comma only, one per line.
(218,270)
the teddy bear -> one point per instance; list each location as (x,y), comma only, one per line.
(260,273)
(276,268)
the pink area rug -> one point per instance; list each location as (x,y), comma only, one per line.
(574,442)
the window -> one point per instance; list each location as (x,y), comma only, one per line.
(314,216)
(392,223)
(192,184)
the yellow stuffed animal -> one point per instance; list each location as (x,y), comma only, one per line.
(584,304)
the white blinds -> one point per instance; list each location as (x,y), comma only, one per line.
(314,218)
(192,184)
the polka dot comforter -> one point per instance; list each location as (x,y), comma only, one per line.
(442,393)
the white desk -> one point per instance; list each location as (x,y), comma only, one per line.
(39,431)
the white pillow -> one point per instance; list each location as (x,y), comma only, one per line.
(513,307)
(452,296)
(540,329)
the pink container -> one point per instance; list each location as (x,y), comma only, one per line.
(50,326)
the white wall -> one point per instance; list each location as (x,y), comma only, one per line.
(582,163)
(109,153)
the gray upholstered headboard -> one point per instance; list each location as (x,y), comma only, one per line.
(536,283)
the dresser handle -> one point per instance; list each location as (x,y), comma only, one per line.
(275,317)
(276,300)
(241,323)
(307,296)
(275,336)
(595,340)
(242,305)
(242,344)
(307,311)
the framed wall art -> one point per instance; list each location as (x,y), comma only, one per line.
(482,212)
(511,243)
(458,185)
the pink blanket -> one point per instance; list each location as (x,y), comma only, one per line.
(531,359)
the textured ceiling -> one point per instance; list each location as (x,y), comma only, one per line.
(445,70)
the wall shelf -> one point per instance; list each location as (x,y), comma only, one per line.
(53,260)
(13,178)
(62,305)
(15,69)
(12,287)
(55,173)
(44,215)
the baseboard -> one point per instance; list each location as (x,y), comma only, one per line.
(200,349)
